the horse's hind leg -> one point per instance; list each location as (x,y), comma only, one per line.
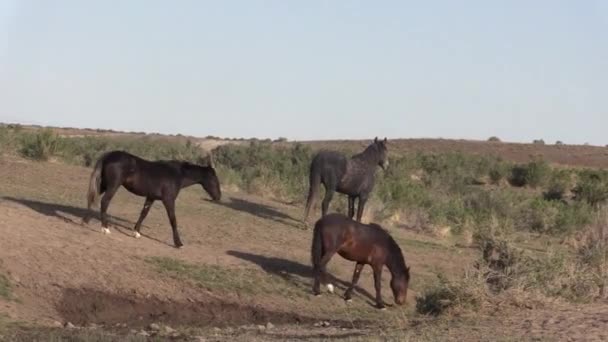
(329,193)
(351,206)
(105,202)
(322,276)
(349,292)
(142,216)
(362,201)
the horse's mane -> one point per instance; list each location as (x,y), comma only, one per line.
(369,153)
(395,255)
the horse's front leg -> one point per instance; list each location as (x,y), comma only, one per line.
(378,285)
(349,292)
(142,216)
(170,207)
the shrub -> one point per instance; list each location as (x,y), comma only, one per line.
(538,172)
(538,142)
(591,188)
(465,293)
(498,172)
(554,274)
(40,145)
(558,185)
(262,167)
(533,174)
(494,139)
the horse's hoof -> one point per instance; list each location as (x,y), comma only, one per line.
(137,235)
(382,308)
(330,288)
(317,295)
(105,230)
(179,246)
(348,300)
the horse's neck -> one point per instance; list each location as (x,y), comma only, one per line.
(395,264)
(367,157)
(189,177)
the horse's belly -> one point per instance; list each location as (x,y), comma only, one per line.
(351,256)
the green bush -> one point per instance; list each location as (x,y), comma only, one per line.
(592,188)
(40,145)
(534,174)
(261,167)
(558,185)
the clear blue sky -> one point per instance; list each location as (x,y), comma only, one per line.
(519,70)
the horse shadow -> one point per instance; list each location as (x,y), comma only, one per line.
(260,210)
(291,270)
(59,211)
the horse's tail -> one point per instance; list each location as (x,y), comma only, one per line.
(95,183)
(317,250)
(313,190)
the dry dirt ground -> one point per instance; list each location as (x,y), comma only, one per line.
(245,264)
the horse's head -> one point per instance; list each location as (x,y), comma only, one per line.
(209,179)
(382,153)
(211,183)
(399,285)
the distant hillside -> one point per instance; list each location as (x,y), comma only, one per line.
(570,155)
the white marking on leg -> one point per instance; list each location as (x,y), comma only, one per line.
(105,230)
(330,288)
(137,235)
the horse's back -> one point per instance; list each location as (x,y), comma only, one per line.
(330,162)
(364,233)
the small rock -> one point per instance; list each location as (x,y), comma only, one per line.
(154,327)
(261,328)
(93,326)
(216,329)
(269,326)
(199,339)
(69,325)
(57,324)
(169,330)
(143,333)
(325,324)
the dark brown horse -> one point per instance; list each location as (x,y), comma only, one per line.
(364,244)
(354,177)
(154,180)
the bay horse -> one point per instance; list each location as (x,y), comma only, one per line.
(364,244)
(155,180)
(354,177)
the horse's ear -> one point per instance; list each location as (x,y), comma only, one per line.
(385,140)
(375,140)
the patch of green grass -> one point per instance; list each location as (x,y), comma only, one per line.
(239,280)
(6,289)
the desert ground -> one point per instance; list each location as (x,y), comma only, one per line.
(244,273)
